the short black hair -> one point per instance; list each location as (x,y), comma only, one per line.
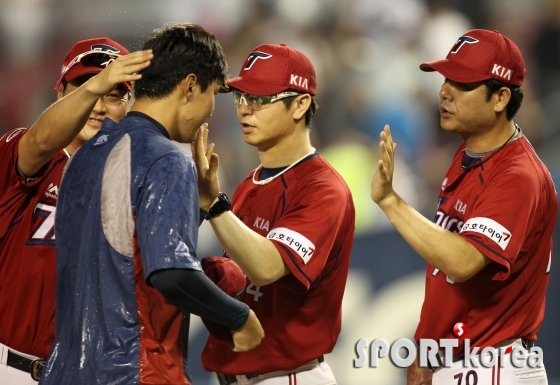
(493,85)
(310,111)
(181,49)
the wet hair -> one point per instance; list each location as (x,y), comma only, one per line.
(179,50)
(493,85)
(310,111)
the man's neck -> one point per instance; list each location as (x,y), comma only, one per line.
(489,140)
(158,110)
(286,152)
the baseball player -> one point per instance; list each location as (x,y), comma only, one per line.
(489,250)
(289,226)
(127,228)
(93,85)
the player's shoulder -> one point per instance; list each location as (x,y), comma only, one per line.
(520,160)
(319,171)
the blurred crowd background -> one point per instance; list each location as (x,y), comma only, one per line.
(366,54)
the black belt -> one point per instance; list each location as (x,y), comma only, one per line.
(33,367)
(227,379)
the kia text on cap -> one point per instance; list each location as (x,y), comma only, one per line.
(480,55)
(272,68)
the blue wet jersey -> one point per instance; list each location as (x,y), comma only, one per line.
(128,206)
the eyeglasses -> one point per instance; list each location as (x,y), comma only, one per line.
(258,102)
(114,99)
(88,59)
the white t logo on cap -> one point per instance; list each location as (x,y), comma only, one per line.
(254,56)
(461,41)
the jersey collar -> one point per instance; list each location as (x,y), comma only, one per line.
(160,127)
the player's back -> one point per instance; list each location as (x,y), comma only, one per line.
(105,323)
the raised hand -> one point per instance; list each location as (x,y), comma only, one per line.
(382,182)
(207,166)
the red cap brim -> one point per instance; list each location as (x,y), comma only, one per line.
(454,71)
(255,86)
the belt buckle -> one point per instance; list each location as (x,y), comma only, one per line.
(37,369)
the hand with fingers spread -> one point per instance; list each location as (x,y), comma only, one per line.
(123,69)
(207,166)
(382,182)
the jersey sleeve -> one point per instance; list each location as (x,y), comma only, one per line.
(501,219)
(168,215)
(306,235)
(9,175)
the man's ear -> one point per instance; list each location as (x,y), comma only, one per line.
(302,103)
(502,99)
(187,85)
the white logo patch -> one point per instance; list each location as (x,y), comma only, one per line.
(13,134)
(182,250)
(297,242)
(102,139)
(490,228)
(52,191)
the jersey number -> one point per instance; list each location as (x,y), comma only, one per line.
(255,291)
(471,378)
(43,218)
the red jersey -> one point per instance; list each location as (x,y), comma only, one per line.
(308,213)
(27,252)
(506,208)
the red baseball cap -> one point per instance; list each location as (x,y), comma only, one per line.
(480,55)
(229,277)
(272,68)
(90,56)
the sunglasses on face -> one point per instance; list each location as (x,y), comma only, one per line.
(258,102)
(88,59)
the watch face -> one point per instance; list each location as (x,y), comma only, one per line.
(223,204)
(224,198)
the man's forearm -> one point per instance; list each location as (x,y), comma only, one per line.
(55,129)
(256,255)
(447,251)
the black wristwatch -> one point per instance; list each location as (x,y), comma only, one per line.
(223,204)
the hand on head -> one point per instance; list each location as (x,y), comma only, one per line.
(123,69)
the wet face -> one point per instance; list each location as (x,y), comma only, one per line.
(199,108)
(464,108)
